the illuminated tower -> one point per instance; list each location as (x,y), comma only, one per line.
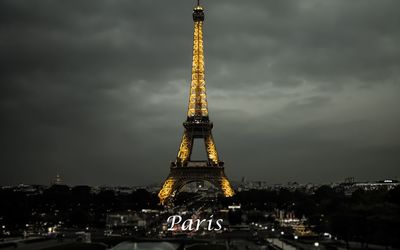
(197,126)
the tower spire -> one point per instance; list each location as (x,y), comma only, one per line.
(198,108)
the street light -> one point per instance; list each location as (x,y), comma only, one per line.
(296,237)
(316,244)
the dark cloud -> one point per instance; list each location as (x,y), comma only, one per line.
(298,90)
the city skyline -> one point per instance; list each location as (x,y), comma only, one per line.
(303,91)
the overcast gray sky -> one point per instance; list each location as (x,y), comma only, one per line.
(97,90)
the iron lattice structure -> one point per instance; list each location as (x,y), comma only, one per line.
(197,125)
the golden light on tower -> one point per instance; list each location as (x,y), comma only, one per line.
(167,190)
(211,149)
(197,96)
(197,125)
(226,187)
(184,149)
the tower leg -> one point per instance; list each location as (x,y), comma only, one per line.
(185,149)
(226,187)
(168,190)
(211,149)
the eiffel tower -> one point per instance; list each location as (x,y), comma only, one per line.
(197,125)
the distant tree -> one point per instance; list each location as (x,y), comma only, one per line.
(235,217)
(393,196)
